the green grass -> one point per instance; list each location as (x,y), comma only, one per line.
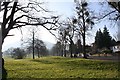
(59,67)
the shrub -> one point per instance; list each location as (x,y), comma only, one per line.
(18,53)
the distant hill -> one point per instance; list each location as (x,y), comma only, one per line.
(13,45)
(49,45)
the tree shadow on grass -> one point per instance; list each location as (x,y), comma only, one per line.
(43,61)
(92,64)
(85,64)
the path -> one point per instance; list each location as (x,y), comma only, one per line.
(110,58)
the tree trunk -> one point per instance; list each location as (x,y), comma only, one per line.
(84,50)
(3,34)
(33,46)
(62,50)
(71,47)
(0,54)
(71,50)
(65,50)
(64,53)
(3,73)
(38,53)
(84,31)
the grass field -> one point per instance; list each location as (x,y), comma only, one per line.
(59,67)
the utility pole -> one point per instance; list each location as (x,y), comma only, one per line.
(33,45)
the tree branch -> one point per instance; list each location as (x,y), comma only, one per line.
(106,15)
(115,7)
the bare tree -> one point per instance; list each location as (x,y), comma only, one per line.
(0,53)
(69,32)
(16,15)
(111,13)
(83,21)
(62,39)
(13,19)
(39,47)
(116,6)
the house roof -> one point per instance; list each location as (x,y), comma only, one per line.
(118,43)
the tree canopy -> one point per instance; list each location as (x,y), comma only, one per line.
(103,39)
(83,21)
(16,15)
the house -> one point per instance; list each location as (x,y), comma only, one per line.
(116,48)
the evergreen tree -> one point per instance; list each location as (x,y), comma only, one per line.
(107,39)
(113,42)
(99,39)
(103,39)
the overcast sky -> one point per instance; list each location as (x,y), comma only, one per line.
(64,8)
(60,7)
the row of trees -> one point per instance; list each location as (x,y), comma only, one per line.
(76,27)
(58,50)
(103,42)
(39,48)
(25,16)
(81,22)
(79,25)
(20,53)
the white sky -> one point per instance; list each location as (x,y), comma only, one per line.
(60,7)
